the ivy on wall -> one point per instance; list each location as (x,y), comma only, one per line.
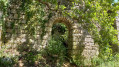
(97,16)
(3,8)
(94,15)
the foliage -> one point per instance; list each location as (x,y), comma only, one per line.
(111,62)
(7,59)
(7,62)
(31,57)
(59,27)
(78,60)
(97,16)
(3,10)
(56,52)
(56,47)
(98,20)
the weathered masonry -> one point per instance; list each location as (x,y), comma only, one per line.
(80,42)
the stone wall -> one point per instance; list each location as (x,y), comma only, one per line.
(80,42)
(18,35)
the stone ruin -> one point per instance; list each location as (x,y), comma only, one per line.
(80,42)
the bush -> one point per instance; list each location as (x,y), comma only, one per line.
(7,62)
(99,62)
(7,59)
(55,52)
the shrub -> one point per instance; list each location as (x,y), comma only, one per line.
(55,52)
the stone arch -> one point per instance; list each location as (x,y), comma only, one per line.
(74,33)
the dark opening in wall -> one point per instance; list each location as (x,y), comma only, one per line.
(60,32)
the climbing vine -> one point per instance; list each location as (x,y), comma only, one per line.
(35,15)
(3,8)
(97,16)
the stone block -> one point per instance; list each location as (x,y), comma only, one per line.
(38,36)
(22,17)
(86,53)
(88,47)
(23,40)
(38,27)
(88,36)
(50,24)
(23,35)
(76,38)
(32,41)
(77,35)
(38,32)
(44,42)
(89,43)
(95,47)
(45,37)
(11,40)
(76,43)
(48,29)
(89,39)
(93,53)
(74,27)
(76,31)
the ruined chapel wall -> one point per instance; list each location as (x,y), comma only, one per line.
(17,28)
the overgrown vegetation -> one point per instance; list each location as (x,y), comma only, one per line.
(97,16)
(7,59)
(110,62)
(55,53)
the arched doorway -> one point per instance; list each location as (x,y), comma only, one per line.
(73,34)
